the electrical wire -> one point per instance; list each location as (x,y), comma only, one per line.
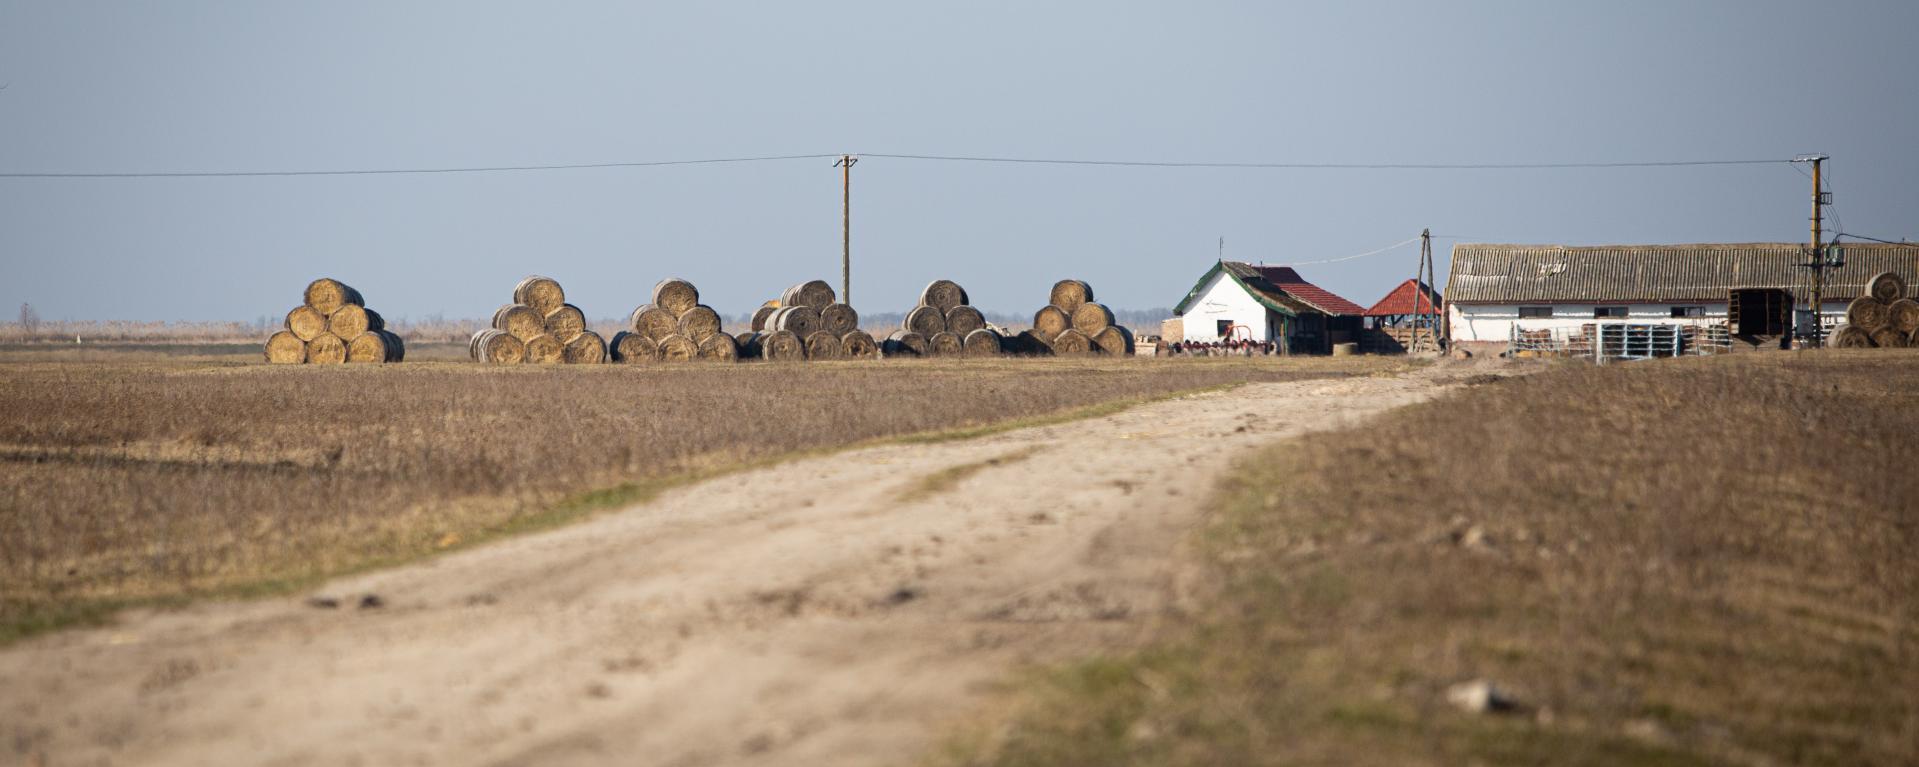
(1400,244)
(1328,166)
(405,171)
(1875,239)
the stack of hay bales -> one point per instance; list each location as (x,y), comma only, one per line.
(1882,318)
(808,323)
(1072,325)
(674,327)
(539,327)
(333,325)
(945,324)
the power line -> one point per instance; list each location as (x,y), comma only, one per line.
(1875,239)
(405,171)
(1327,166)
(1400,244)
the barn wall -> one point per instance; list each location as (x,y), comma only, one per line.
(1224,299)
(1494,322)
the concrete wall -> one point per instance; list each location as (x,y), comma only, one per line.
(1223,299)
(1494,322)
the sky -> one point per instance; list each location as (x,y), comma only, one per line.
(182,86)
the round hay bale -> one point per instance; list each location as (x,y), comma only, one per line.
(587,348)
(761,314)
(1887,287)
(700,323)
(945,344)
(326,349)
(1028,342)
(859,345)
(1072,343)
(352,321)
(395,346)
(1113,340)
(285,348)
(678,348)
(926,320)
(675,295)
(1849,337)
(541,293)
(980,343)
(473,344)
(905,343)
(499,347)
(632,348)
(720,347)
(1092,318)
(1868,314)
(817,294)
(802,320)
(749,345)
(962,320)
(522,321)
(327,294)
(367,347)
(1888,338)
(306,323)
(839,319)
(782,346)
(1050,321)
(822,345)
(1903,316)
(565,322)
(1069,294)
(943,295)
(545,350)
(655,322)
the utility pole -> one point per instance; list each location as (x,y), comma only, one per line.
(845,164)
(1818,262)
(1423,272)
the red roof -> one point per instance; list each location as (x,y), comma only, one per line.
(1400,301)
(1284,278)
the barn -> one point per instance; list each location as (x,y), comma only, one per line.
(1497,293)
(1237,300)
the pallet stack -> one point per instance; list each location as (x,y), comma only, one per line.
(1072,325)
(1883,318)
(674,327)
(333,325)
(807,322)
(945,324)
(539,327)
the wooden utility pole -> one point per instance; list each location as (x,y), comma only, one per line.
(1422,275)
(1818,256)
(845,164)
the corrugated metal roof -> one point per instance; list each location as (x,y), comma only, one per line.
(1400,300)
(1283,285)
(1505,274)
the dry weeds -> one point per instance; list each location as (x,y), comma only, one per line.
(1686,562)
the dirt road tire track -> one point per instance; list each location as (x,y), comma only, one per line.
(844,618)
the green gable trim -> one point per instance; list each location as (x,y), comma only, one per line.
(1220,266)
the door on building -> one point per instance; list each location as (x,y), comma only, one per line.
(1759,311)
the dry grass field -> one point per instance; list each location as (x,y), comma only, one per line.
(157,479)
(1707,561)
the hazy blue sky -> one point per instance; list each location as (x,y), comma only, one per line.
(244,86)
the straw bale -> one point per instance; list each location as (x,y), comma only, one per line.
(655,322)
(963,320)
(926,320)
(839,319)
(366,347)
(1849,337)
(1114,340)
(1903,316)
(565,322)
(1072,343)
(1092,318)
(720,347)
(676,296)
(822,345)
(351,320)
(981,343)
(802,320)
(306,322)
(678,348)
(699,323)
(326,349)
(545,350)
(1069,294)
(1029,342)
(859,345)
(633,348)
(395,346)
(817,294)
(522,321)
(327,295)
(541,293)
(943,295)
(1888,338)
(1887,287)
(945,344)
(285,348)
(587,348)
(782,346)
(502,348)
(749,345)
(1050,321)
(1868,314)
(905,343)
(761,314)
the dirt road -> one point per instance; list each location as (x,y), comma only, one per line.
(835,610)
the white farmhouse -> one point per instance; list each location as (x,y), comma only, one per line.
(1240,301)
(1496,291)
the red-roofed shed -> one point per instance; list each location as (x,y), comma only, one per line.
(1411,297)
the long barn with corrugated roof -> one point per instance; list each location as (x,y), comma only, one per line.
(1753,289)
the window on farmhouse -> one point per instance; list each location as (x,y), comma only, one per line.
(1225,325)
(1689,311)
(1535,312)
(1614,312)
